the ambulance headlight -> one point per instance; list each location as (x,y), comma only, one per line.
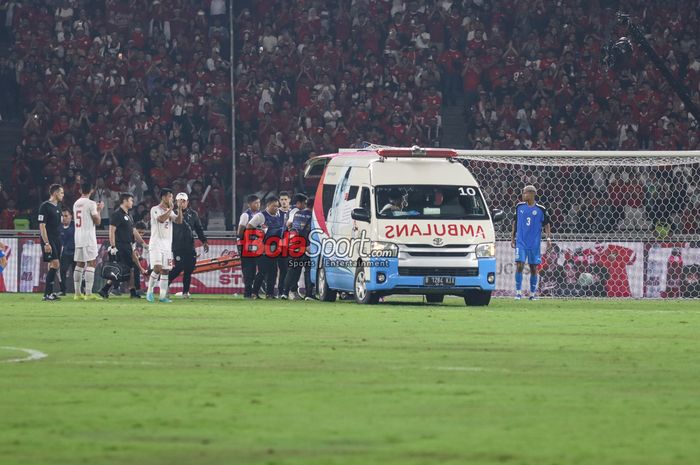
(486,250)
(384,249)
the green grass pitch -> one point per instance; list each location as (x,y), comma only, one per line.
(226,381)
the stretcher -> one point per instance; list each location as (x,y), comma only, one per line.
(219,263)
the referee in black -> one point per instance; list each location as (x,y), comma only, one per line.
(184,252)
(122,236)
(50,229)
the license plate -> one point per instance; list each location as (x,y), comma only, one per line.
(439,281)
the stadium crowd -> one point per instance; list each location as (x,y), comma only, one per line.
(136,92)
(131,94)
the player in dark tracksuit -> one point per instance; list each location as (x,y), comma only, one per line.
(50,228)
(184,253)
(67,248)
(122,236)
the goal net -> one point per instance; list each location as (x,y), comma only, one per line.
(624,224)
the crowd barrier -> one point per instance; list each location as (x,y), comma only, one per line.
(644,269)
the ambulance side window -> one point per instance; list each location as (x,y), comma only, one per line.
(352,193)
(365,200)
(328,193)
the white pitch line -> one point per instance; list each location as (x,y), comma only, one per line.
(109,362)
(456,368)
(469,369)
(33,355)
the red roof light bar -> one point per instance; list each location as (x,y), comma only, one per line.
(417,152)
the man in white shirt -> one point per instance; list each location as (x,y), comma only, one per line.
(161,244)
(109,199)
(87,217)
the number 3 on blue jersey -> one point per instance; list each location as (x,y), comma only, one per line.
(529,221)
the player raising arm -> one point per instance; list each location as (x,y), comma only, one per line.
(530,218)
(160,247)
(87,216)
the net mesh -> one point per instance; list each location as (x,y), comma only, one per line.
(624,224)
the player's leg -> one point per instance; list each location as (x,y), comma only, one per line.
(166,263)
(104,292)
(259,273)
(248,266)
(308,284)
(290,280)
(134,277)
(271,277)
(79,272)
(152,281)
(534,259)
(135,282)
(283,268)
(188,261)
(155,259)
(54,265)
(123,257)
(64,265)
(267,265)
(178,268)
(91,261)
(519,266)
(90,277)
(534,276)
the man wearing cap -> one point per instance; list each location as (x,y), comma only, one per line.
(184,251)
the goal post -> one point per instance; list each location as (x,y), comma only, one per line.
(624,224)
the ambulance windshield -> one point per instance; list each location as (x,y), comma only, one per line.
(430,202)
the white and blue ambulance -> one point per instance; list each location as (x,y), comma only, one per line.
(400,221)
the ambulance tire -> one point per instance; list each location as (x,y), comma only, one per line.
(477,298)
(325,294)
(362,295)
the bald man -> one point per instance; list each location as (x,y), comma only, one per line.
(530,219)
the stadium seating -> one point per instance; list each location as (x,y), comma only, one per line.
(144,85)
(132,92)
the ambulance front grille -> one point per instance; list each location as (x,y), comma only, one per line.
(437,271)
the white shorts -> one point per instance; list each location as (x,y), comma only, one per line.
(162,258)
(87,253)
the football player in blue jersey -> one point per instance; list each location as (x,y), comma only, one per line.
(530,218)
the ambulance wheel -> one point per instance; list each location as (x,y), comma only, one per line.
(362,295)
(477,298)
(434,298)
(325,294)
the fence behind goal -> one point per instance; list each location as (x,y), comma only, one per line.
(624,224)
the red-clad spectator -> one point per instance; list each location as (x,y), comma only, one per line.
(8,215)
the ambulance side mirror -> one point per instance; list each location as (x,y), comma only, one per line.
(360,214)
(497,215)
